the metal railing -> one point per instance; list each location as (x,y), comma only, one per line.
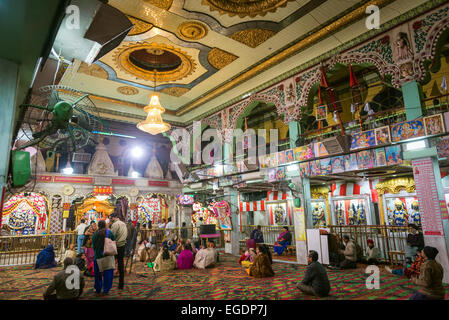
(391,240)
(158,236)
(22,250)
(270,233)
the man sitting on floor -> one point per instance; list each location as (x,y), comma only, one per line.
(430,280)
(372,254)
(206,257)
(350,254)
(59,284)
(315,282)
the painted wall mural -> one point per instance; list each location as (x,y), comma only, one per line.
(398,53)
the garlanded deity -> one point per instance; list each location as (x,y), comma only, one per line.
(415,216)
(318,218)
(340,214)
(399,213)
(352,213)
(361,216)
(280,216)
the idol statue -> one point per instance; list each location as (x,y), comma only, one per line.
(361,218)
(415,216)
(340,214)
(318,218)
(399,213)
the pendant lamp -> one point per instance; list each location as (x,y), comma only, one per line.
(154,124)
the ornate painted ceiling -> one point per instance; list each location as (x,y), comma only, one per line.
(199,54)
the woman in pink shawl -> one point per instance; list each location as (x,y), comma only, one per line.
(185,258)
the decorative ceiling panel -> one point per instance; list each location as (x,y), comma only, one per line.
(219,58)
(245,8)
(253,37)
(210,52)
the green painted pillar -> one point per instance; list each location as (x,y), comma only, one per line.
(412,100)
(8,84)
(294,131)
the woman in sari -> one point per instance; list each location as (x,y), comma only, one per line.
(165,260)
(261,267)
(185,258)
(46,258)
(284,239)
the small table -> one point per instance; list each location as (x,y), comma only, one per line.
(205,237)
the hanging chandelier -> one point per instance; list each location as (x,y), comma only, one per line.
(154,124)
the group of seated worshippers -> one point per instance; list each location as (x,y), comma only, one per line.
(425,272)
(185,257)
(257,261)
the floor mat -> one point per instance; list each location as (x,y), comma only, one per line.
(228,280)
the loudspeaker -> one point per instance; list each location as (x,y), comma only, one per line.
(90,29)
(207,229)
(338,144)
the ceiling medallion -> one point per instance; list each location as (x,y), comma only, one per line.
(244,8)
(139,26)
(219,58)
(178,63)
(192,30)
(127,90)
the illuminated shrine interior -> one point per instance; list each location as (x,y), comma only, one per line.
(207,120)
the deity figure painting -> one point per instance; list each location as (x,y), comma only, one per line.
(403,49)
(434,124)
(318,215)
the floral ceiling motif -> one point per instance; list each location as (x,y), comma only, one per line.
(93,70)
(163,4)
(139,26)
(252,37)
(244,8)
(175,91)
(127,90)
(219,58)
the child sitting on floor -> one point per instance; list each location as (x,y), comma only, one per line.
(80,261)
(247,258)
(70,253)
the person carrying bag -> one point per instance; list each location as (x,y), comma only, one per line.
(105,249)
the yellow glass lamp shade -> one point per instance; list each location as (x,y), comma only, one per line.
(154,124)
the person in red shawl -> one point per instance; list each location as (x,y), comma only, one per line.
(412,270)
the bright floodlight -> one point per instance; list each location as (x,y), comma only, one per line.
(67,170)
(416,145)
(135,174)
(101,198)
(137,152)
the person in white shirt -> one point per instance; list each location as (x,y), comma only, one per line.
(170,224)
(80,235)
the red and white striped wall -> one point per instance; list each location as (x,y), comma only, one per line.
(252,206)
(277,195)
(340,189)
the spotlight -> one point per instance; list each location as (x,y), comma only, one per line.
(136,152)
(68,170)
(135,174)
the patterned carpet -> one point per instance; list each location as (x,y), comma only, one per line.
(226,281)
